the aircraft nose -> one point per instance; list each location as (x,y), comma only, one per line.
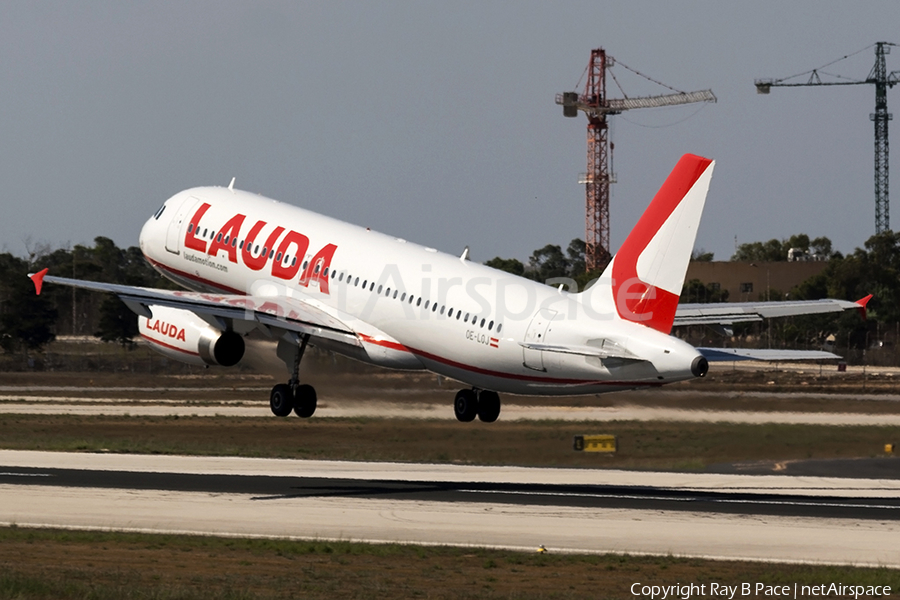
(142,239)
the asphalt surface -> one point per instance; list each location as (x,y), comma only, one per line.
(778,518)
(267,487)
(848,468)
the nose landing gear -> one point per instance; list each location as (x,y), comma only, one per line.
(484,404)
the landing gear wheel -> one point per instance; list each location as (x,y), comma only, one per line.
(305,401)
(488,406)
(466,405)
(281,401)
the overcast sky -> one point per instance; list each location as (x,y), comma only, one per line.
(433,121)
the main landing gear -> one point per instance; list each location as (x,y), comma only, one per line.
(294,396)
(481,403)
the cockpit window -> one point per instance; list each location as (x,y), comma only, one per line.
(159,212)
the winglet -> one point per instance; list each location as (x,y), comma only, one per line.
(38,279)
(862,305)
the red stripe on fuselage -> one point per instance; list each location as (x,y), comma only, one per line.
(169,346)
(422,353)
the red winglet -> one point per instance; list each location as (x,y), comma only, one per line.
(862,305)
(38,279)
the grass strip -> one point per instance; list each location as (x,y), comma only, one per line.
(45,563)
(642,445)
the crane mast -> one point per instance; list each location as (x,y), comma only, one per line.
(880,78)
(596,105)
(880,117)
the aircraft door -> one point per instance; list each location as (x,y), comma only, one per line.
(173,235)
(537,334)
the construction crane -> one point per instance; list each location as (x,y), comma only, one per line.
(882,81)
(595,103)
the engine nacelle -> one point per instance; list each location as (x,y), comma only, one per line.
(183,336)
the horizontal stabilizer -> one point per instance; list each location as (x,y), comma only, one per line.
(733,354)
(728,313)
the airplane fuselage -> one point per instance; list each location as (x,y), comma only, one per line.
(411,307)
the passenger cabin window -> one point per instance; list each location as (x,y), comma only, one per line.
(190,227)
(499,325)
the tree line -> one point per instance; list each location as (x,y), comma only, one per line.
(873,269)
(28,321)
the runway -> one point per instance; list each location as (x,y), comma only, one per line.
(774,518)
(337,408)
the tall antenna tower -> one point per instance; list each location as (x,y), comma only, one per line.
(596,104)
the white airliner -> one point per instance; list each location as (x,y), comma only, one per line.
(301,278)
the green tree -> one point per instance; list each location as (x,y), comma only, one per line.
(575,254)
(701,255)
(695,291)
(117,322)
(510,265)
(777,250)
(773,250)
(26,319)
(548,262)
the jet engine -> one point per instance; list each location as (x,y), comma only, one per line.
(183,336)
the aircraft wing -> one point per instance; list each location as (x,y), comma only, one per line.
(728,313)
(296,313)
(734,354)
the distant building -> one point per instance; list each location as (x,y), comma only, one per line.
(749,281)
